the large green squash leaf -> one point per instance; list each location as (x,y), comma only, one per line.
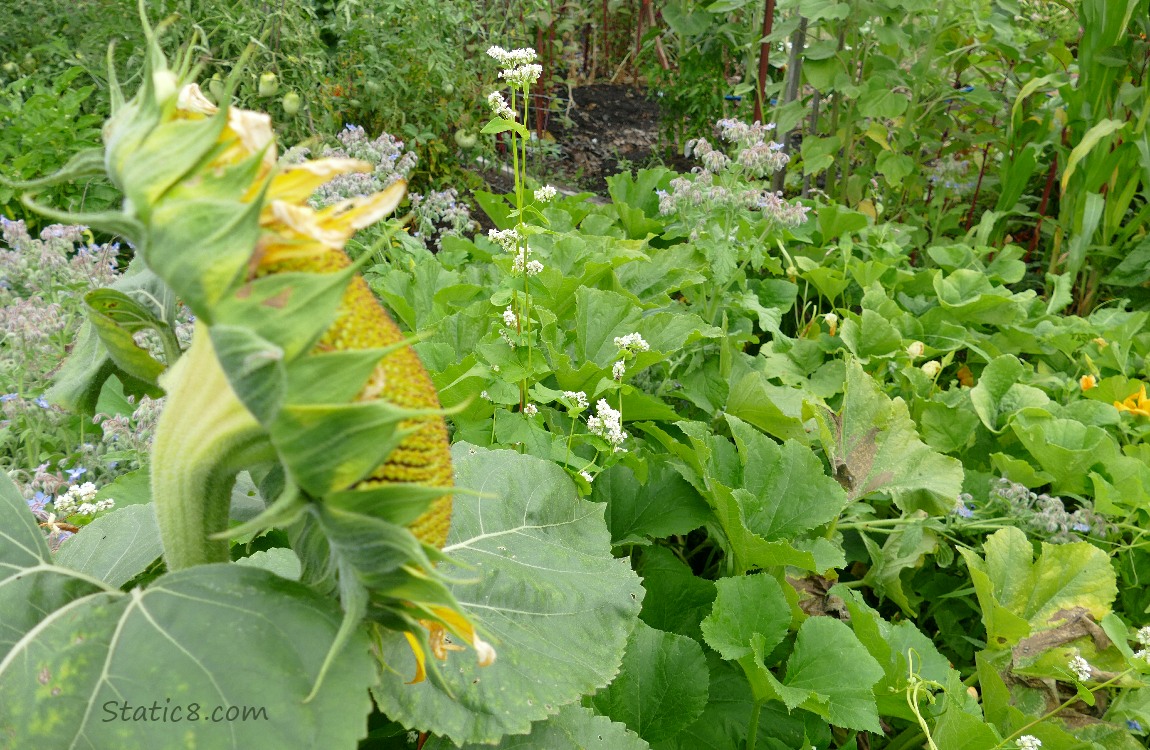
(875,448)
(1020,595)
(662,686)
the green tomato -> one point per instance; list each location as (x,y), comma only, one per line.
(268,84)
(291,104)
(216,88)
(464,139)
(448,88)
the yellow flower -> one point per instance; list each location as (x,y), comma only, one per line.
(1136,403)
(1086,382)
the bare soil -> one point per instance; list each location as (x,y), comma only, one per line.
(594,132)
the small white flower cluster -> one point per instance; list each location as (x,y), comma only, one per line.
(508,239)
(1028,742)
(632,343)
(578,398)
(607,424)
(1081,668)
(618,370)
(78,501)
(545,193)
(510,319)
(1143,637)
(511,58)
(499,106)
(523,265)
(519,69)
(587,475)
(530,409)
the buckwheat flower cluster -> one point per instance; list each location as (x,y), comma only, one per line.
(607,424)
(1081,668)
(78,500)
(530,409)
(618,370)
(1143,638)
(519,68)
(508,239)
(632,343)
(1028,742)
(499,106)
(510,319)
(587,475)
(577,399)
(523,263)
(545,193)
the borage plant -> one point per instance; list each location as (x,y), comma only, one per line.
(298,376)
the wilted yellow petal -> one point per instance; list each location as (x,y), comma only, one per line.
(297,182)
(354,214)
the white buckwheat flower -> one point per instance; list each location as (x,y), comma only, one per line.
(1081,668)
(534,268)
(522,76)
(916,349)
(508,239)
(586,475)
(578,398)
(511,58)
(618,370)
(545,193)
(1028,742)
(499,106)
(607,424)
(1143,635)
(932,368)
(632,343)
(510,319)
(530,410)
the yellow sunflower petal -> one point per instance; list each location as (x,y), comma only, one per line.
(420,659)
(298,181)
